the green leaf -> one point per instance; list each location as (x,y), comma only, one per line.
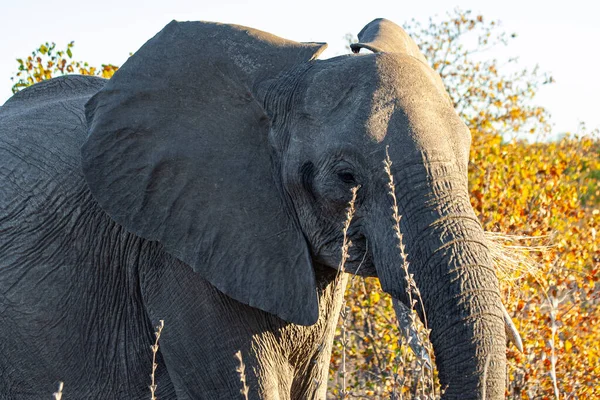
(69,53)
(43,49)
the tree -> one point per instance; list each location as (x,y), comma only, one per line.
(488,97)
(47,62)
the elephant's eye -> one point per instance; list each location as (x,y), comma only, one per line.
(347,177)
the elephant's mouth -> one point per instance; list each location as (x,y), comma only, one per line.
(360,258)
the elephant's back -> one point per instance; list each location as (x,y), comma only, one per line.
(67,271)
(55,90)
(42,129)
(49,118)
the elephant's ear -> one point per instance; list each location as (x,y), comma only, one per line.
(384,36)
(179,152)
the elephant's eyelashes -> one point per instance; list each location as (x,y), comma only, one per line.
(347,177)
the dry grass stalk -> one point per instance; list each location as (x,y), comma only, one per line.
(241,369)
(154,348)
(511,255)
(424,359)
(346,243)
(512,259)
(58,394)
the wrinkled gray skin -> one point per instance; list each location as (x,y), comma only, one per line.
(205,184)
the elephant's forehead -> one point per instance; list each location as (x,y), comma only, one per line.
(358,97)
(367,103)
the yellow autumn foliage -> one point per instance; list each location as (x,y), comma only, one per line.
(47,62)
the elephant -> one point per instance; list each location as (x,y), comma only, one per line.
(206,184)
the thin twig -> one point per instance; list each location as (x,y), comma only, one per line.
(553,303)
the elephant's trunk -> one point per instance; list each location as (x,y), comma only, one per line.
(452,268)
(465,313)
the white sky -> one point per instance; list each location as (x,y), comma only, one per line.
(563,39)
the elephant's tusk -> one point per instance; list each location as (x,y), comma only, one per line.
(512,334)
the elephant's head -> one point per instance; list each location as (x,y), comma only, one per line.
(237,150)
